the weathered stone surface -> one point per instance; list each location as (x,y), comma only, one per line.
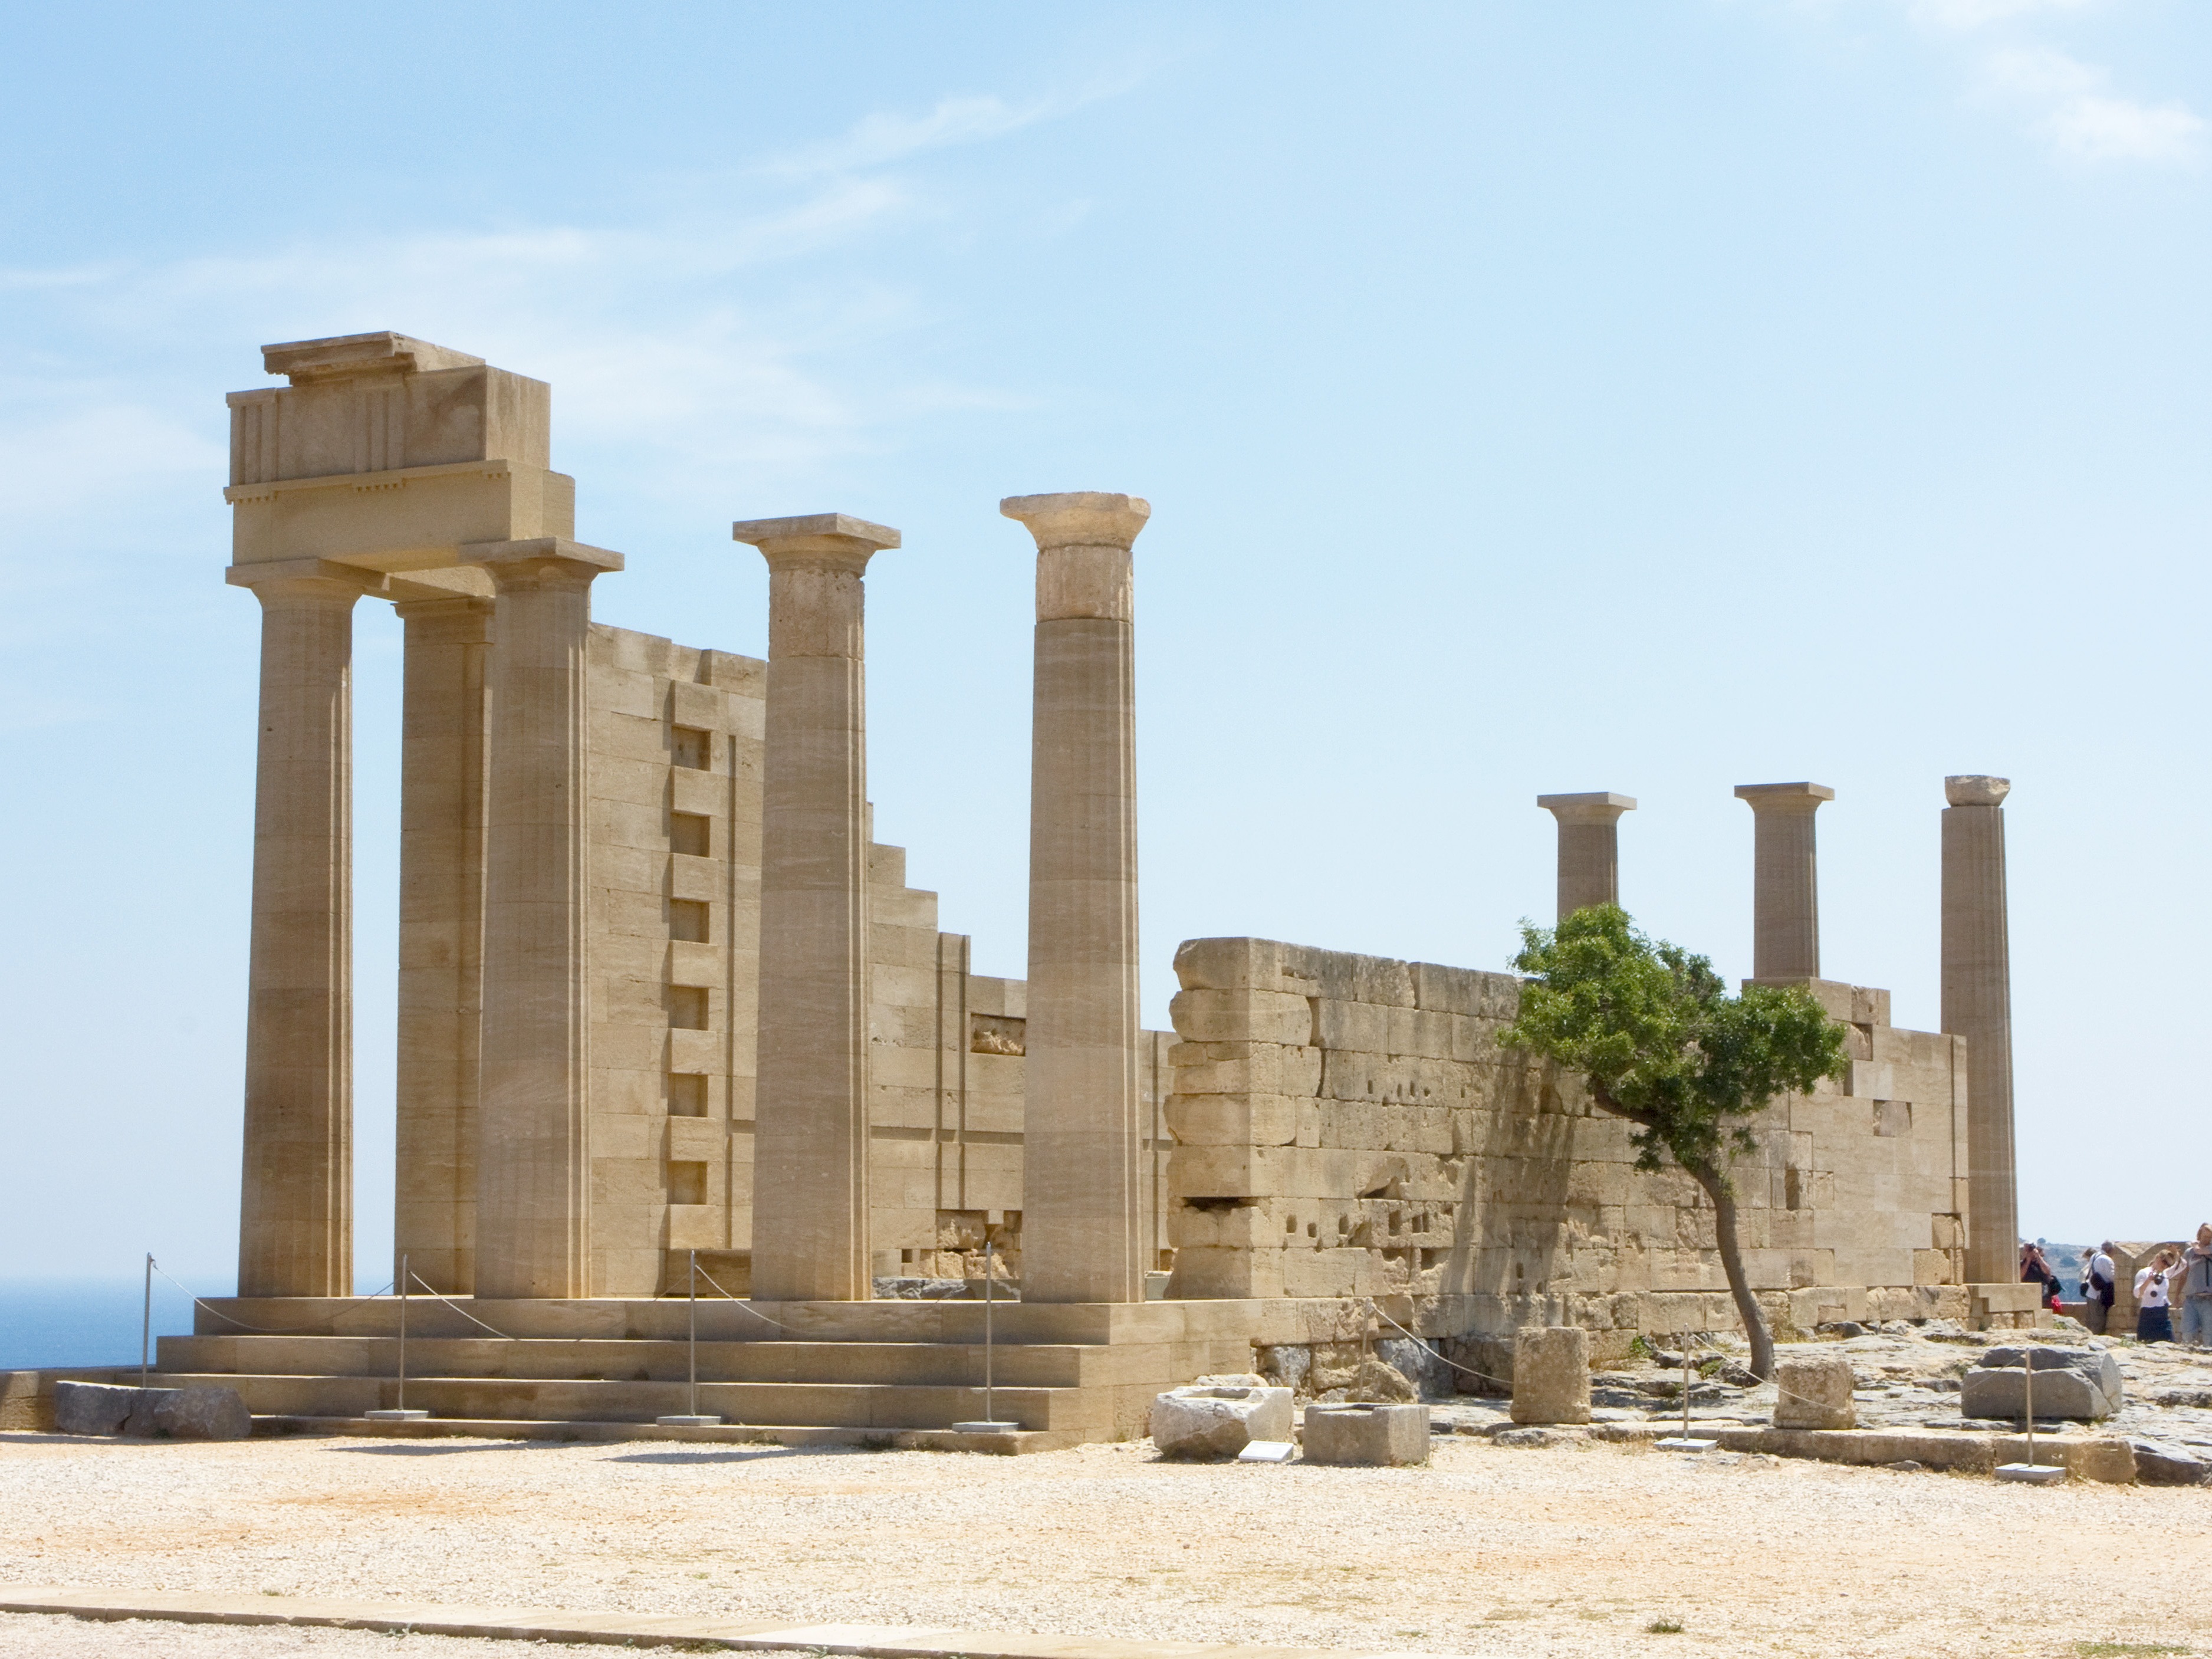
(1367,1434)
(1213,1421)
(201,1413)
(1534,1437)
(2169,1466)
(2082,1384)
(95,1407)
(1814,1394)
(1551,1374)
(1420,1365)
(1380,1380)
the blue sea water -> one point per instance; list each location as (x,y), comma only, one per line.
(84,1322)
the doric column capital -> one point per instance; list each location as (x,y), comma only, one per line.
(816,541)
(1083,539)
(1976,789)
(542,561)
(1602,806)
(1784,797)
(309,580)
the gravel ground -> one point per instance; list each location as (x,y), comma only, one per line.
(1572,1550)
(42,1637)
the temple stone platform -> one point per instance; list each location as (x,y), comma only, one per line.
(881,1372)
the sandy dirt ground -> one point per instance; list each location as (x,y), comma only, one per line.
(36,1637)
(1568,1550)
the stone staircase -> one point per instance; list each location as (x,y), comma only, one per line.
(869,1373)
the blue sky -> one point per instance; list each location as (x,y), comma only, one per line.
(1653,397)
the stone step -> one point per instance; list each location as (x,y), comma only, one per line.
(727,1434)
(833,1405)
(637,1359)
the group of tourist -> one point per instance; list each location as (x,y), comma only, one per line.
(2175,1279)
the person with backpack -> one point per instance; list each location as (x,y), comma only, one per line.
(2193,1296)
(2099,1286)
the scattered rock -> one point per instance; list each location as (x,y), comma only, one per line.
(1209,1420)
(2158,1465)
(1551,1374)
(1383,1383)
(1840,1329)
(1814,1394)
(1420,1364)
(1533,1436)
(1907,1466)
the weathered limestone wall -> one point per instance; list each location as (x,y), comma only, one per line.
(1349,1126)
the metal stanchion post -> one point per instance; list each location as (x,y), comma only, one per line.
(2040,1474)
(691,1417)
(146,1326)
(989,1423)
(402,1414)
(1685,1442)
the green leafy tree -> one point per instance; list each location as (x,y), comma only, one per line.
(1663,1045)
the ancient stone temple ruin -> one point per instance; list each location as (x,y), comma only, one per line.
(663,1000)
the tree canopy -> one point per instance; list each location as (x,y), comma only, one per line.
(1663,1045)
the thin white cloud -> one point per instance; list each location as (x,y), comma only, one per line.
(883,137)
(2082,119)
(1963,16)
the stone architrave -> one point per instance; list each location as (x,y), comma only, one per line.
(533,1155)
(1590,846)
(296,1202)
(1551,1374)
(443,750)
(1785,881)
(810,1238)
(1978,1006)
(1082,1226)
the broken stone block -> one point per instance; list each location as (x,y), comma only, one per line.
(2169,1466)
(1381,1382)
(1208,1420)
(1367,1434)
(2080,1383)
(202,1413)
(1814,1394)
(1551,1374)
(1534,1437)
(1420,1364)
(93,1407)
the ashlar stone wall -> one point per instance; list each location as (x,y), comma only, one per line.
(1349,1126)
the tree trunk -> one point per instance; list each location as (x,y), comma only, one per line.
(1746,1306)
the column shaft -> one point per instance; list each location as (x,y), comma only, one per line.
(1083,1236)
(1590,847)
(533,1153)
(441,895)
(1785,879)
(1978,1005)
(810,1239)
(296,1202)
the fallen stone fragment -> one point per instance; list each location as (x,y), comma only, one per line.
(202,1413)
(93,1407)
(1551,1374)
(1210,1421)
(2080,1383)
(1367,1434)
(1813,1394)
(2169,1466)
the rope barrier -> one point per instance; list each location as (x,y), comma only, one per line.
(264,1330)
(463,1312)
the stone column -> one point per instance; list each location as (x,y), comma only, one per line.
(533,1155)
(295,1200)
(1786,901)
(1978,1006)
(443,745)
(810,1238)
(1082,1195)
(1590,847)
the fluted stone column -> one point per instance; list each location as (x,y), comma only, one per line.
(810,1238)
(533,1154)
(1785,904)
(1082,1195)
(1590,846)
(295,1200)
(1978,1006)
(443,750)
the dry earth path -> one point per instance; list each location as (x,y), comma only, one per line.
(1568,1550)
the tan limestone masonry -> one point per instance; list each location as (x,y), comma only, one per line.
(1349,1126)
(1082,1216)
(1978,1005)
(1590,846)
(810,1237)
(1786,885)
(580,866)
